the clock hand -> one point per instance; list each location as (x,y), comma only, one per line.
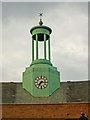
(40,82)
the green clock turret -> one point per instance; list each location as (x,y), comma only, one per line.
(41,79)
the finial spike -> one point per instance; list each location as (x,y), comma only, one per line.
(40,15)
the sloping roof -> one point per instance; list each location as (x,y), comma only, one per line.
(13,93)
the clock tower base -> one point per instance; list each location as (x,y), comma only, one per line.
(37,69)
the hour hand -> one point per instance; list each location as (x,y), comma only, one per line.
(40,82)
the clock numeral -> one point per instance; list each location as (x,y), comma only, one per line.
(44,85)
(39,86)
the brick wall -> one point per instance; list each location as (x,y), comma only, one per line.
(65,111)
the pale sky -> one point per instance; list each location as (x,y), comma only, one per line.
(69,39)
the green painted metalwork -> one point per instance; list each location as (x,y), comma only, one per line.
(40,31)
(44,46)
(43,27)
(36,70)
(32,49)
(49,48)
(41,67)
(36,46)
(41,61)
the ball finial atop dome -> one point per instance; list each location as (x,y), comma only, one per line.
(40,22)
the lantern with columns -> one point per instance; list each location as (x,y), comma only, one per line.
(41,79)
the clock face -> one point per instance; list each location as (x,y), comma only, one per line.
(41,82)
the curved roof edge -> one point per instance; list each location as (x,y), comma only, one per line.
(48,28)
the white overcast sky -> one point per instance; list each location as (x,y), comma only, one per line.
(69,39)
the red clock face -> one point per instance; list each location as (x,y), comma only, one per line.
(41,82)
